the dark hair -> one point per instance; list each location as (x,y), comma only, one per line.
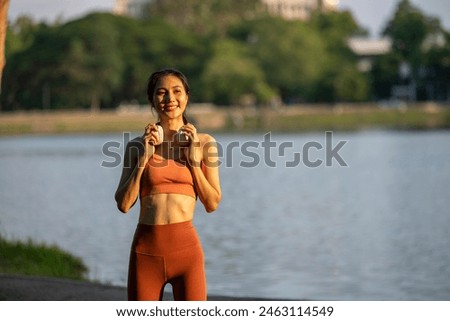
(154,78)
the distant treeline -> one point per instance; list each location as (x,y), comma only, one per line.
(231,55)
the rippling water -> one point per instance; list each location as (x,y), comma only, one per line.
(376,229)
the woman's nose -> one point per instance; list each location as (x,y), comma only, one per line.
(169,97)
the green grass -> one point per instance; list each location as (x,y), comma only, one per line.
(11,129)
(384,119)
(300,120)
(28,258)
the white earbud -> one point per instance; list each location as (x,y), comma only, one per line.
(160,132)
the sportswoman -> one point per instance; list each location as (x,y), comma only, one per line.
(168,177)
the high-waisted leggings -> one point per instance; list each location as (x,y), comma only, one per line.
(162,254)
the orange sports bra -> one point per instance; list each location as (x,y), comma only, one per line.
(166,176)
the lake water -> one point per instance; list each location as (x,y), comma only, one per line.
(375,229)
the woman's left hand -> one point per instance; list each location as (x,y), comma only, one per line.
(193,152)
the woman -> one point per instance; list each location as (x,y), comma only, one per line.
(168,177)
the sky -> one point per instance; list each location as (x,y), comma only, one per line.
(370,14)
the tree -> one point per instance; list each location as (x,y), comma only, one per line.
(414,38)
(231,51)
(408,29)
(148,45)
(384,75)
(341,80)
(231,76)
(336,28)
(20,36)
(28,71)
(204,17)
(437,70)
(75,65)
(96,38)
(291,54)
(96,61)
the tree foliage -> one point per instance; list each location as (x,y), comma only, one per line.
(341,80)
(99,60)
(419,55)
(233,52)
(408,29)
(205,17)
(232,76)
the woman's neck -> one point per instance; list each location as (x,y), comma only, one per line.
(171,126)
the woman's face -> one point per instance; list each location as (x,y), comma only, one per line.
(170,97)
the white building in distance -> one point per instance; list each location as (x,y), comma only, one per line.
(299,9)
(367,49)
(288,9)
(132,8)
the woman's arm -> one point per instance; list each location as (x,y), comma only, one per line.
(137,153)
(206,173)
(128,190)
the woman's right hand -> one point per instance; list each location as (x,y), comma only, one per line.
(150,139)
(152,135)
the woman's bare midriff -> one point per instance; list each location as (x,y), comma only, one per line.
(160,209)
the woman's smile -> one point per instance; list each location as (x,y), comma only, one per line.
(170,107)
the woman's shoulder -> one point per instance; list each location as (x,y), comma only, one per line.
(207,141)
(206,138)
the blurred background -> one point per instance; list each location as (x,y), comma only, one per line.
(232,51)
(375,73)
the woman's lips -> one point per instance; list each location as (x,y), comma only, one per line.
(170,107)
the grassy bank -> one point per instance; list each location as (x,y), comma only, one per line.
(348,120)
(212,119)
(62,122)
(27,258)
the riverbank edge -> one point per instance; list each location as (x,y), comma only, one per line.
(300,118)
(39,280)
(33,288)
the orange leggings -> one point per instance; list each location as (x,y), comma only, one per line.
(162,254)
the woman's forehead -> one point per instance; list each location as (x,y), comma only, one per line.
(169,81)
